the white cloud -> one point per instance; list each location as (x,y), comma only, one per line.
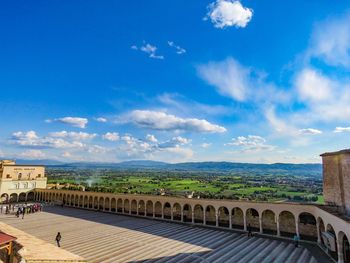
(251,143)
(31,139)
(309,131)
(313,86)
(229,77)
(330,42)
(174,142)
(111,136)
(148,49)
(205,145)
(101,119)
(179,50)
(341,129)
(227,13)
(73,121)
(162,121)
(151,138)
(33,154)
(73,135)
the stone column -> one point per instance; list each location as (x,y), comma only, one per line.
(260,224)
(318,232)
(340,251)
(278,226)
(216,219)
(182,214)
(245,221)
(129,208)
(230,219)
(204,218)
(192,216)
(171,214)
(162,211)
(154,210)
(297,227)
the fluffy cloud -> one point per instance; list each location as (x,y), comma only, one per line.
(73,135)
(341,129)
(251,143)
(312,86)
(33,154)
(179,50)
(151,138)
(73,121)
(101,119)
(227,13)
(162,121)
(309,131)
(174,142)
(111,136)
(330,42)
(205,145)
(31,139)
(229,77)
(148,49)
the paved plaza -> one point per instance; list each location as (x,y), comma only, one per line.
(103,237)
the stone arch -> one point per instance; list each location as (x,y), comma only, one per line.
(187,213)
(176,212)
(149,208)
(141,208)
(134,207)
(107,204)
(167,210)
(91,202)
(5,198)
(96,202)
(198,214)
(210,215)
(287,224)
(86,201)
(81,201)
(321,228)
(120,205)
(101,203)
(223,217)
(237,218)
(68,200)
(126,206)
(269,224)
(13,198)
(307,226)
(158,211)
(30,196)
(76,202)
(72,199)
(113,205)
(333,254)
(344,246)
(253,219)
(22,197)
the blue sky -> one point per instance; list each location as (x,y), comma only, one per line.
(247,81)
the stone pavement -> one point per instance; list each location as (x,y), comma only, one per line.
(103,237)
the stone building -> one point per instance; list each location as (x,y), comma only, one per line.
(17,182)
(336,179)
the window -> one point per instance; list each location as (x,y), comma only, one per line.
(39,175)
(8,176)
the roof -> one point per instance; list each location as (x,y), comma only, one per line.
(24,165)
(5,238)
(345,151)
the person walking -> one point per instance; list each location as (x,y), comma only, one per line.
(23,212)
(296,240)
(58,239)
(249,231)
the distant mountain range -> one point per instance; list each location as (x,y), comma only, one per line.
(314,170)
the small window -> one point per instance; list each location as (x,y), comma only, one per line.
(39,175)
(8,176)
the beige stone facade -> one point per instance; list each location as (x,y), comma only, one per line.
(336,179)
(17,182)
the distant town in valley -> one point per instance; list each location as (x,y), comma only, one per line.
(215,180)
